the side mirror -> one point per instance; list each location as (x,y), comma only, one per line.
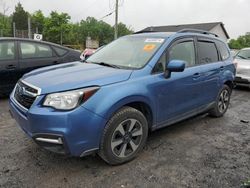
(174,66)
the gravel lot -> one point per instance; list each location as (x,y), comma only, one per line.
(199,152)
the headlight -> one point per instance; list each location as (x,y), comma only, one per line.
(70,99)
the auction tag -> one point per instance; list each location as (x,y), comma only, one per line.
(155,40)
(149,47)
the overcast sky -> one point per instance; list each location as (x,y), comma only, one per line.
(138,14)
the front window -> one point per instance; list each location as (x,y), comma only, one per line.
(183,51)
(127,52)
(243,54)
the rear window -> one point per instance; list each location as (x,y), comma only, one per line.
(35,50)
(207,52)
(223,50)
(60,51)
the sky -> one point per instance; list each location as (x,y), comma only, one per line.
(138,14)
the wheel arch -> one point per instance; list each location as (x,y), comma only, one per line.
(141,103)
(228,79)
(229,83)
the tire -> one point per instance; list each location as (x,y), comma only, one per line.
(122,142)
(222,102)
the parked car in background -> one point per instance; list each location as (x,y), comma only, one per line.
(19,56)
(135,84)
(234,52)
(242,59)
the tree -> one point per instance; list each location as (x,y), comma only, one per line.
(97,30)
(240,42)
(123,30)
(38,20)
(5,26)
(20,17)
(56,27)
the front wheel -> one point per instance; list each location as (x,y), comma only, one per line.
(124,136)
(222,102)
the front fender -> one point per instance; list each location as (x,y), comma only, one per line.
(130,99)
(111,98)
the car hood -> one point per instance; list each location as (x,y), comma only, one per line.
(73,76)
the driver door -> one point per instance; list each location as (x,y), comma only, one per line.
(179,95)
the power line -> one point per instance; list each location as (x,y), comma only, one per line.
(109,14)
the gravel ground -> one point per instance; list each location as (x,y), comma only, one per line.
(199,152)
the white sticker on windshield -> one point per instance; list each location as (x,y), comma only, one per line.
(155,40)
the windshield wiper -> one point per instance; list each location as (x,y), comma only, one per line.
(107,64)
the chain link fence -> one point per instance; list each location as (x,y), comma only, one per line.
(17,33)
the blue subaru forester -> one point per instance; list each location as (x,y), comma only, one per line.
(136,84)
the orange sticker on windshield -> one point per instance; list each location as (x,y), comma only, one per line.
(149,47)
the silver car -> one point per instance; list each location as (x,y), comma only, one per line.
(242,59)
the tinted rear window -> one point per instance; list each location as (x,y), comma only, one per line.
(207,52)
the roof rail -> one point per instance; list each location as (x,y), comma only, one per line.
(197,31)
(139,32)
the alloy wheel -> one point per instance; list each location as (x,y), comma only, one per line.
(223,101)
(126,138)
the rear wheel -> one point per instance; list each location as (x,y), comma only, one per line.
(124,136)
(222,102)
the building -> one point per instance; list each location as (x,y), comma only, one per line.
(214,27)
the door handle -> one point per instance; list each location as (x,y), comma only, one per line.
(10,67)
(196,75)
(222,68)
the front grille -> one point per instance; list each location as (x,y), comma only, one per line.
(25,95)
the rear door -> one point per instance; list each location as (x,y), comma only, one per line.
(33,55)
(212,68)
(8,65)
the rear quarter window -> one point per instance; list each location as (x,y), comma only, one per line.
(207,52)
(224,52)
(60,51)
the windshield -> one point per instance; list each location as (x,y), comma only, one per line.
(244,54)
(127,52)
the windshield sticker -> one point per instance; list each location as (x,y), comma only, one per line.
(149,47)
(155,40)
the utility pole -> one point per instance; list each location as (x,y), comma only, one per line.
(116,18)
(29,28)
(14,29)
(61,42)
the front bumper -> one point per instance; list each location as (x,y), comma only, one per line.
(73,132)
(242,80)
